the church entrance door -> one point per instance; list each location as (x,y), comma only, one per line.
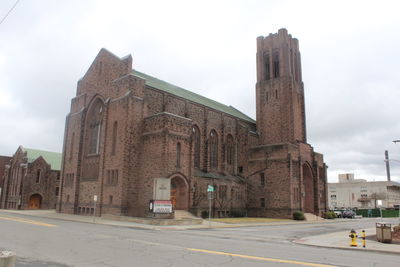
(35,202)
(179,193)
(173,195)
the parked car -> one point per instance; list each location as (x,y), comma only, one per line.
(349,214)
(338,213)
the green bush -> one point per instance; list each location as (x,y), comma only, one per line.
(204,214)
(236,213)
(298,215)
(330,215)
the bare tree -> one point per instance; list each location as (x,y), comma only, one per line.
(199,195)
(223,201)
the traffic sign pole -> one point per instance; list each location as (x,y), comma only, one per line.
(210,193)
(94,208)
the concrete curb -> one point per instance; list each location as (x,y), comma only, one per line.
(349,248)
(310,241)
(7,259)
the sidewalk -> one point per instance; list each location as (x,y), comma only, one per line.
(341,240)
(51,214)
(214,223)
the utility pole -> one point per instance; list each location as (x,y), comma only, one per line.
(387,164)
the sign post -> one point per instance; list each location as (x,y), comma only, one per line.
(94,208)
(398,206)
(379,203)
(210,193)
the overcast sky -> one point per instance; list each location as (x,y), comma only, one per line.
(350,60)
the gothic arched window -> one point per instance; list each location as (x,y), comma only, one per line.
(196,146)
(229,150)
(267,68)
(93,124)
(276,64)
(213,149)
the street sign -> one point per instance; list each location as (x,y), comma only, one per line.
(210,188)
(95,198)
(210,195)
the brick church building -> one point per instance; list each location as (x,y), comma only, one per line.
(131,138)
(31,180)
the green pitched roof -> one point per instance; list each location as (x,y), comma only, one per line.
(52,158)
(196,98)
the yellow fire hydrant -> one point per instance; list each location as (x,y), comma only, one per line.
(353,237)
(363,239)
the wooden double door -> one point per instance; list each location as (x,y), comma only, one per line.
(35,202)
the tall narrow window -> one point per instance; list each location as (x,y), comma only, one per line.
(94,138)
(262,202)
(196,146)
(178,155)
(267,68)
(213,150)
(262,179)
(38,174)
(296,65)
(276,64)
(71,149)
(229,150)
(114,137)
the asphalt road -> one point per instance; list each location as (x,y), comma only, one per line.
(48,242)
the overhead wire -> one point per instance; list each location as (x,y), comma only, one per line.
(8,13)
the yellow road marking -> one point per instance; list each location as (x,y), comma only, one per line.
(260,258)
(26,221)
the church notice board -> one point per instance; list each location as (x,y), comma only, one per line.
(162,206)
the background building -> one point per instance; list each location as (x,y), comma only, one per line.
(4,160)
(359,193)
(32,180)
(131,138)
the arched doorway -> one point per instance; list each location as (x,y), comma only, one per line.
(35,202)
(179,193)
(308,182)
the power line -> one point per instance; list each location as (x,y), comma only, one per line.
(8,13)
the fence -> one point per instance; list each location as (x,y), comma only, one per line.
(376,213)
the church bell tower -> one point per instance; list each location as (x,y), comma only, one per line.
(279,90)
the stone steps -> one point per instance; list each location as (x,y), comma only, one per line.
(183,214)
(312,217)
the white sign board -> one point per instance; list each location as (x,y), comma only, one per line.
(95,197)
(162,206)
(379,203)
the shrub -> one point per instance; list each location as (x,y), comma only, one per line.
(204,214)
(236,213)
(330,215)
(298,215)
